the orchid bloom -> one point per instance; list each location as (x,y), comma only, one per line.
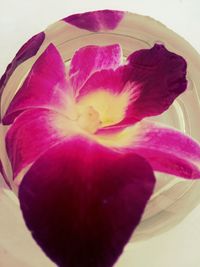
(83,153)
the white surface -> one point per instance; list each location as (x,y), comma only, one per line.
(19,20)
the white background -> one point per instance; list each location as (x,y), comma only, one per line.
(19,20)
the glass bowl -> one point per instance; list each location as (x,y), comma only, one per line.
(174,198)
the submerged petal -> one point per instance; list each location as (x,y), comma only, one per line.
(82,202)
(32,133)
(159,76)
(43,87)
(90,59)
(29,49)
(96,20)
(167,150)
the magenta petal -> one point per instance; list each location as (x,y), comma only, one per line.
(32,133)
(109,80)
(96,20)
(168,150)
(43,87)
(159,77)
(29,49)
(90,59)
(82,201)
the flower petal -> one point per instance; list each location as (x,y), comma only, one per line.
(96,20)
(29,49)
(82,202)
(167,150)
(90,59)
(31,134)
(43,87)
(159,76)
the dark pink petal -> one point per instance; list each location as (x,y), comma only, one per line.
(90,59)
(168,150)
(160,76)
(29,49)
(31,134)
(3,173)
(82,202)
(96,20)
(43,87)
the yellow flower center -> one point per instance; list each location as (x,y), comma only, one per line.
(93,111)
(101,108)
(89,120)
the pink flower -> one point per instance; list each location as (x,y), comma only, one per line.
(81,134)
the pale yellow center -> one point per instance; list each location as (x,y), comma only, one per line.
(94,111)
(89,120)
(108,107)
